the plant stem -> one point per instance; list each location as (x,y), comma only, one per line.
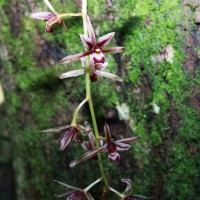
(89,97)
(70,15)
(77,110)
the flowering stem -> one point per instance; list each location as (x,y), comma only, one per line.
(70,15)
(89,97)
(77,110)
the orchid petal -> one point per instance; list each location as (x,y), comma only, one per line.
(90,30)
(107,133)
(101,66)
(113,158)
(55,130)
(86,145)
(90,135)
(72,73)
(105,40)
(121,146)
(65,194)
(128,189)
(68,186)
(53,20)
(92,139)
(128,140)
(83,62)
(83,130)
(84,157)
(87,42)
(74,57)
(139,197)
(113,50)
(108,75)
(50,6)
(67,137)
(42,15)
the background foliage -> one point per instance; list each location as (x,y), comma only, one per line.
(160,68)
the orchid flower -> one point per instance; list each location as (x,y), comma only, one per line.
(70,133)
(126,195)
(77,193)
(112,147)
(94,48)
(50,18)
(91,144)
(96,69)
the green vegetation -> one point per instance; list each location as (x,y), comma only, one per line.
(165,162)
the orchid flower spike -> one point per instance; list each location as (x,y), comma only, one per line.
(112,147)
(96,69)
(69,133)
(50,18)
(77,193)
(94,48)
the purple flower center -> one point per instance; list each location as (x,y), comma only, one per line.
(97,55)
(111,148)
(78,195)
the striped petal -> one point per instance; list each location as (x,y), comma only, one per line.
(86,145)
(68,186)
(87,42)
(121,146)
(113,50)
(108,75)
(55,130)
(73,73)
(84,157)
(87,155)
(74,57)
(90,30)
(105,40)
(67,137)
(107,133)
(42,15)
(128,140)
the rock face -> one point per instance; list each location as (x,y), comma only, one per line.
(160,92)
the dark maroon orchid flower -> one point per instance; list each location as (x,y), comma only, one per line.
(112,147)
(94,48)
(126,195)
(77,193)
(69,133)
(50,18)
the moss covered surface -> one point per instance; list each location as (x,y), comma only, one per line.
(160,68)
